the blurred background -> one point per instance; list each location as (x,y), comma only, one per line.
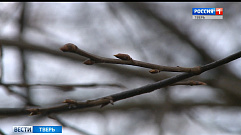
(160,33)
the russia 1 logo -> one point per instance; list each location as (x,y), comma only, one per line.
(219,11)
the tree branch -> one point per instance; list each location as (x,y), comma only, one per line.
(73,105)
(9,90)
(1,62)
(124,59)
(63,85)
(117,69)
(190,82)
(4,112)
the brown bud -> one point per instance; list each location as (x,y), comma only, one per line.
(197,83)
(69,47)
(153,71)
(69,101)
(89,62)
(123,56)
(203,83)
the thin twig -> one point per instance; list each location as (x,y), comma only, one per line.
(64,124)
(24,66)
(131,93)
(9,90)
(125,107)
(63,85)
(124,59)
(1,62)
(40,49)
(190,82)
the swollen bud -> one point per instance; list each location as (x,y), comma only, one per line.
(123,56)
(153,71)
(89,62)
(69,47)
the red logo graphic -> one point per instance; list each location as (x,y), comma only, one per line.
(219,11)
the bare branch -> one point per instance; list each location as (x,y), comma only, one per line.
(124,59)
(125,107)
(9,90)
(134,92)
(39,48)
(70,86)
(189,83)
(1,62)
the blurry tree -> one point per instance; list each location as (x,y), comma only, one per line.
(36,74)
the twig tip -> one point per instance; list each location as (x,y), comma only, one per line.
(69,47)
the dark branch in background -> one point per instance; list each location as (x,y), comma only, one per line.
(1,62)
(21,95)
(91,84)
(111,67)
(146,10)
(123,107)
(64,124)
(2,133)
(73,105)
(124,59)
(191,83)
(141,9)
(70,86)
(23,59)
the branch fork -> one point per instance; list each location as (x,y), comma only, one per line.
(190,72)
